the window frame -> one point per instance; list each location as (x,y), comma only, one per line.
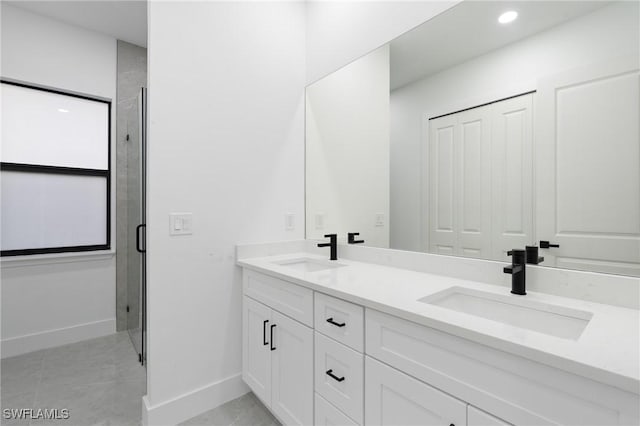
(75,171)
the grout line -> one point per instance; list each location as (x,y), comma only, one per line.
(37,390)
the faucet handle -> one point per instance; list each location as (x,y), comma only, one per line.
(547,244)
(351,238)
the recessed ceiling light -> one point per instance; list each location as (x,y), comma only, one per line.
(508,16)
(62,110)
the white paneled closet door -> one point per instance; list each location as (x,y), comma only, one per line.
(512,175)
(443,237)
(588,168)
(473,182)
(460,179)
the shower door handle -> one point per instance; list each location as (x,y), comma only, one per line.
(138,228)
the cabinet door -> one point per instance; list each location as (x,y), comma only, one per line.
(256,355)
(477,417)
(394,398)
(292,371)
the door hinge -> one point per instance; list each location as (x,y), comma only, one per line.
(127,308)
(127,136)
(140,358)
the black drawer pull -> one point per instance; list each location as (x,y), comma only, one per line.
(264,332)
(334,377)
(273,348)
(337,324)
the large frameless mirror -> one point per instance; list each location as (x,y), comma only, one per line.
(481,131)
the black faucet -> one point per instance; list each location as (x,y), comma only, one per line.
(352,238)
(517,271)
(532,255)
(333,243)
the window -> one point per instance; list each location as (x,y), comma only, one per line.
(55,171)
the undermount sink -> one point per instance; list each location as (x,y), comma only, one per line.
(515,311)
(309,265)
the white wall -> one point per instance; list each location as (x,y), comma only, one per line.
(505,72)
(347,150)
(340,31)
(226,142)
(49,303)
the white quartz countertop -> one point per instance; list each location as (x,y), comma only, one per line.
(608,351)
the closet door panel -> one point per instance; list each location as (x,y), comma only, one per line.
(512,168)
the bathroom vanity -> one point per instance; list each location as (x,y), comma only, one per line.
(464,145)
(352,343)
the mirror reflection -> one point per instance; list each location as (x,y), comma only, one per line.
(482,131)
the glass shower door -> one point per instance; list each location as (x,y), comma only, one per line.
(136,215)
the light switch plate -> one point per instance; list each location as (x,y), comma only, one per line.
(289,221)
(180,223)
(379,219)
(319,220)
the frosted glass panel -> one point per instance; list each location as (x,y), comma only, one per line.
(56,130)
(41,210)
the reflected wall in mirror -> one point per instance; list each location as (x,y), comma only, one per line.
(469,137)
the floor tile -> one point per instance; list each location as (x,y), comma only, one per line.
(99,381)
(21,373)
(244,411)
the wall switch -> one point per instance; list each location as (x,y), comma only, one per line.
(319,220)
(180,223)
(379,219)
(289,221)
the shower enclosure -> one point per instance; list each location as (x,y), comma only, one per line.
(136,219)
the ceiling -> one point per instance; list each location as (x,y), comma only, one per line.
(124,20)
(471,29)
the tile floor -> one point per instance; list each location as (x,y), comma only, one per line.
(244,411)
(101,382)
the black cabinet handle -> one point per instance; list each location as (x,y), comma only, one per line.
(547,244)
(273,348)
(337,324)
(140,250)
(334,377)
(264,333)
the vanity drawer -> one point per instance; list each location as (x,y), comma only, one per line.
(328,415)
(339,373)
(340,320)
(513,388)
(477,417)
(290,299)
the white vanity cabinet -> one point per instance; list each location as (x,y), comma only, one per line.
(277,350)
(394,398)
(477,417)
(317,359)
(510,387)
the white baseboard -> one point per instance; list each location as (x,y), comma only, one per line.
(57,337)
(193,403)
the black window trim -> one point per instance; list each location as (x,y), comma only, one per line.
(37,168)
